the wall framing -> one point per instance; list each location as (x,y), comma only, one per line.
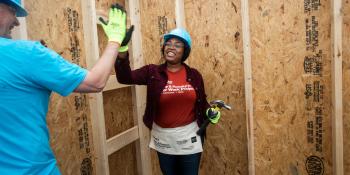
(336,82)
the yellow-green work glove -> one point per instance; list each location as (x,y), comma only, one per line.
(213,115)
(124,45)
(115,29)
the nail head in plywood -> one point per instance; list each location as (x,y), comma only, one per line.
(217,52)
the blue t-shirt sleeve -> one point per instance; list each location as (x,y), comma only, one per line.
(49,70)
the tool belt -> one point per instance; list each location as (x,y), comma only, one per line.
(176,141)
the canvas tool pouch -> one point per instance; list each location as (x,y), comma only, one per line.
(176,141)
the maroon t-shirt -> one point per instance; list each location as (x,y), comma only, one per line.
(177,100)
(155,78)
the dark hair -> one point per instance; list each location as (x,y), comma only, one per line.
(187,49)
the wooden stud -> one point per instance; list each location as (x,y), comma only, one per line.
(139,94)
(113,84)
(180,13)
(119,141)
(96,99)
(248,84)
(337,125)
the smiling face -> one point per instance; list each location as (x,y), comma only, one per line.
(8,20)
(173,51)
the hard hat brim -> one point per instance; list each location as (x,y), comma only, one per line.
(169,36)
(20,11)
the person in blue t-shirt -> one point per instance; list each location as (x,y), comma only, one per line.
(29,72)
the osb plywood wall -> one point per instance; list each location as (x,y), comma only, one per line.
(215,28)
(157,18)
(59,24)
(118,118)
(291,61)
(346,84)
(102,8)
(117,109)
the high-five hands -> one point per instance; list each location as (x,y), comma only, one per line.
(115,27)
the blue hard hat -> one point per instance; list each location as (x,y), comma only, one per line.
(182,35)
(20,11)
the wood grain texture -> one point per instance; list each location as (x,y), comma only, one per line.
(157,18)
(286,95)
(123,161)
(346,84)
(59,24)
(215,28)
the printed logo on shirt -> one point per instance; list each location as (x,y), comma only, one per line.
(174,89)
(194,139)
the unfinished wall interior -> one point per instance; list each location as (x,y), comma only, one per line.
(118,118)
(291,63)
(157,18)
(215,28)
(59,24)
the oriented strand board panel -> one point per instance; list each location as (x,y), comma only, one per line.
(157,18)
(291,62)
(215,28)
(123,162)
(59,24)
(118,111)
(155,163)
(102,7)
(346,83)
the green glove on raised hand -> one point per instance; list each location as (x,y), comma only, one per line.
(124,45)
(115,29)
(213,115)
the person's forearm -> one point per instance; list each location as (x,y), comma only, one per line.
(102,69)
(97,77)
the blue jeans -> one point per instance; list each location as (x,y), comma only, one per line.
(179,164)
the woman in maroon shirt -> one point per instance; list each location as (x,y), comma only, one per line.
(176,104)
